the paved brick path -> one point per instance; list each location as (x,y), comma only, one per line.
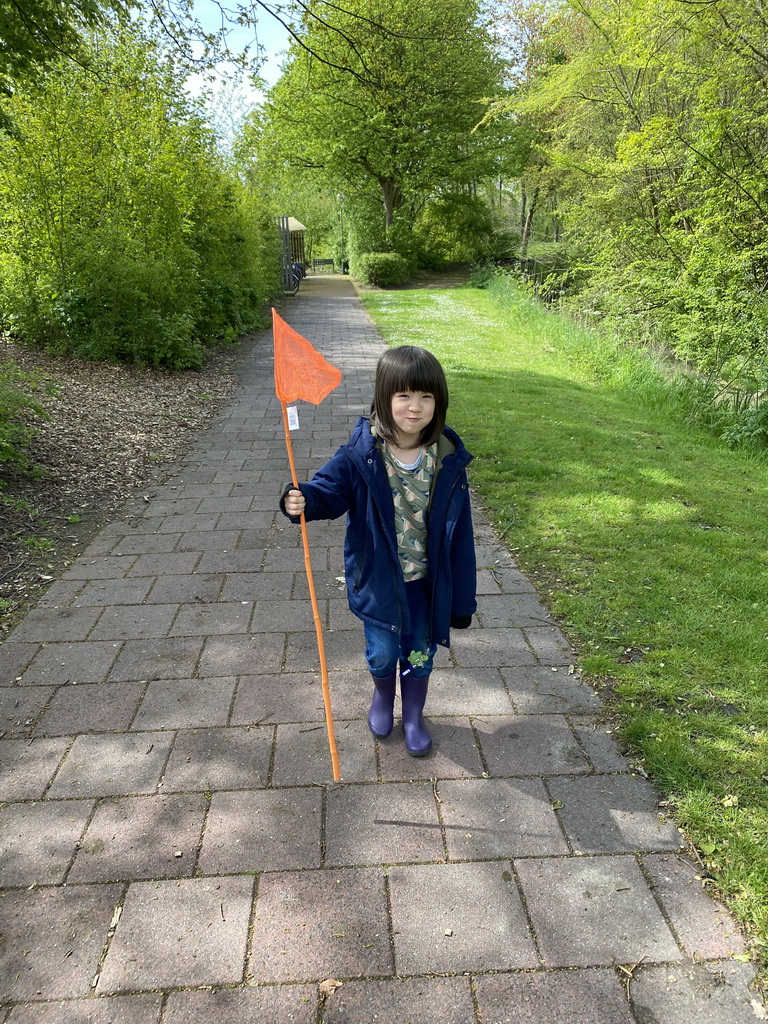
(173,848)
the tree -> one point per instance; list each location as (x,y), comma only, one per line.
(656,121)
(386,95)
(34,33)
(124,236)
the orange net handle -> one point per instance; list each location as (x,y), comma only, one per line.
(315,610)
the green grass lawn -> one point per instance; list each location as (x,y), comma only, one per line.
(648,539)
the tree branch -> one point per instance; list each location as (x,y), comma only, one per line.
(720,170)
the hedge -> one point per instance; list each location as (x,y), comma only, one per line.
(381,268)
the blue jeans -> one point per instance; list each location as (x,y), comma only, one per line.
(385,647)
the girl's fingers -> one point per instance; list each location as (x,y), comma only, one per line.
(294,502)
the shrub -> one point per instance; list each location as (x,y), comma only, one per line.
(125,235)
(16,406)
(482,275)
(456,228)
(381,268)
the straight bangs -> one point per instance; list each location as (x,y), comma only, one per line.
(408,368)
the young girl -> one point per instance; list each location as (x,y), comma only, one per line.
(409,550)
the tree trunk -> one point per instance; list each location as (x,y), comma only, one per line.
(523,208)
(528,223)
(391,198)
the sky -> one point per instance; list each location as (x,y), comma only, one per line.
(272,36)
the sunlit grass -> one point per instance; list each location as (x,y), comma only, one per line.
(641,532)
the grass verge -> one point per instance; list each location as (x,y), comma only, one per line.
(649,542)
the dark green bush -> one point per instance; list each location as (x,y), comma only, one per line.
(456,228)
(381,268)
(482,275)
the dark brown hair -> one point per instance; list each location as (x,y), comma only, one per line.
(408,368)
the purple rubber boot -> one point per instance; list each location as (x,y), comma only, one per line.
(381,714)
(418,742)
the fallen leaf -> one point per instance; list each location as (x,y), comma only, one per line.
(329,986)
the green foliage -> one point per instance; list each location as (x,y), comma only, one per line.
(456,228)
(126,237)
(38,32)
(18,407)
(482,275)
(380,268)
(650,124)
(384,105)
(291,191)
(732,410)
(750,429)
(366,231)
(38,543)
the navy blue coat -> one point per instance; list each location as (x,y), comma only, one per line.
(355,481)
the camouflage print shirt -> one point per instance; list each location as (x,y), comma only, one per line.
(411,490)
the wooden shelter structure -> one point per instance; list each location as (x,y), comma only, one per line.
(291,250)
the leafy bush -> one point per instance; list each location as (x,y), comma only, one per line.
(126,237)
(750,428)
(482,275)
(381,268)
(456,228)
(364,227)
(16,408)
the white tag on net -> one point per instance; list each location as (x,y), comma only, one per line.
(293,417)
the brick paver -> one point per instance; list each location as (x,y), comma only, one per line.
(312,925)
(710,993)
(188,932)
(275,1004)
(591,997)
(141,837)
(594,911)
(417,1000)
(172,844)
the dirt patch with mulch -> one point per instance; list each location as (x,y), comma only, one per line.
(108,431)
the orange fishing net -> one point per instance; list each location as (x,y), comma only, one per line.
(300,370)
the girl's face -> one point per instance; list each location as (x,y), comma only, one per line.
(412,412)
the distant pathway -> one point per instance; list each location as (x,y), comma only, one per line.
(173,848)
